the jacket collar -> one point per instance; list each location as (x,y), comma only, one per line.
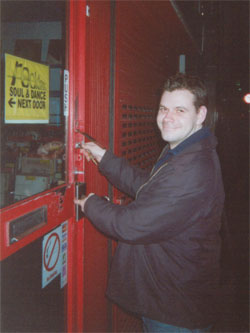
(202,133)
(198,136)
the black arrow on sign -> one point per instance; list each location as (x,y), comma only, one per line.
(11,102)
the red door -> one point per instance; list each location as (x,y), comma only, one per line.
(43,84)
(53,263)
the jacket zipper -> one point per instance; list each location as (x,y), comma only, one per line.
(162,153)
(150,179)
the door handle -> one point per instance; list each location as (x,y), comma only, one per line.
(80,191)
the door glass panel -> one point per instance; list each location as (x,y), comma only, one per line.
(32,118)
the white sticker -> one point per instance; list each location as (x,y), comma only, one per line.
(54,255)
(64,255)
(66,93)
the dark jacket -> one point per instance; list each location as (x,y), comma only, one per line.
(166,265)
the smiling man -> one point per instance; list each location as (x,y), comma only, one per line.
(166,265)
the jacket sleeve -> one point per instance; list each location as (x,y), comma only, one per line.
(121,174)
(169,203)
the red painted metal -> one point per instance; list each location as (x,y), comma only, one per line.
(77,45)
(70,297)
(77,86)
(75,278)
(59,208)
(89,104)
(97,125)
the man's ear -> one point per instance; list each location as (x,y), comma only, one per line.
(202,113)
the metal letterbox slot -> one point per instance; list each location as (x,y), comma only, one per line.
(26,224)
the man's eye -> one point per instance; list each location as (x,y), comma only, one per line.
(180,110)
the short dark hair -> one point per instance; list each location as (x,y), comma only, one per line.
(191,83)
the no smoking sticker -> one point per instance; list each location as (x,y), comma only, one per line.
(51,252)
(55,255)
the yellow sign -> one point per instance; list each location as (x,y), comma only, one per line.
(26,91)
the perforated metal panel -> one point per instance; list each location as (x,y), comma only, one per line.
(144,57)
(138,135)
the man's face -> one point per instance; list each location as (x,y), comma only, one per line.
(177,117)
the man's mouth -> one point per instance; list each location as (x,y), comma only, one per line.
(169,127)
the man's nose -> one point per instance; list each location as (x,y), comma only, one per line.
(168,115)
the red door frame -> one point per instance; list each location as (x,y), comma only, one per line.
(76,64)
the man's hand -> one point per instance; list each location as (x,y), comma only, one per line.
(81,202)
(91,150)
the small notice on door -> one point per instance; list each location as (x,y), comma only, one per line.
(54,255)
(26,91)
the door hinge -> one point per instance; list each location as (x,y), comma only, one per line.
(87,11)
(76,172)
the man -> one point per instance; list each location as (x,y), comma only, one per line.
(166,265)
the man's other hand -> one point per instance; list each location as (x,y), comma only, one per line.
(81,202)
(91,150)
